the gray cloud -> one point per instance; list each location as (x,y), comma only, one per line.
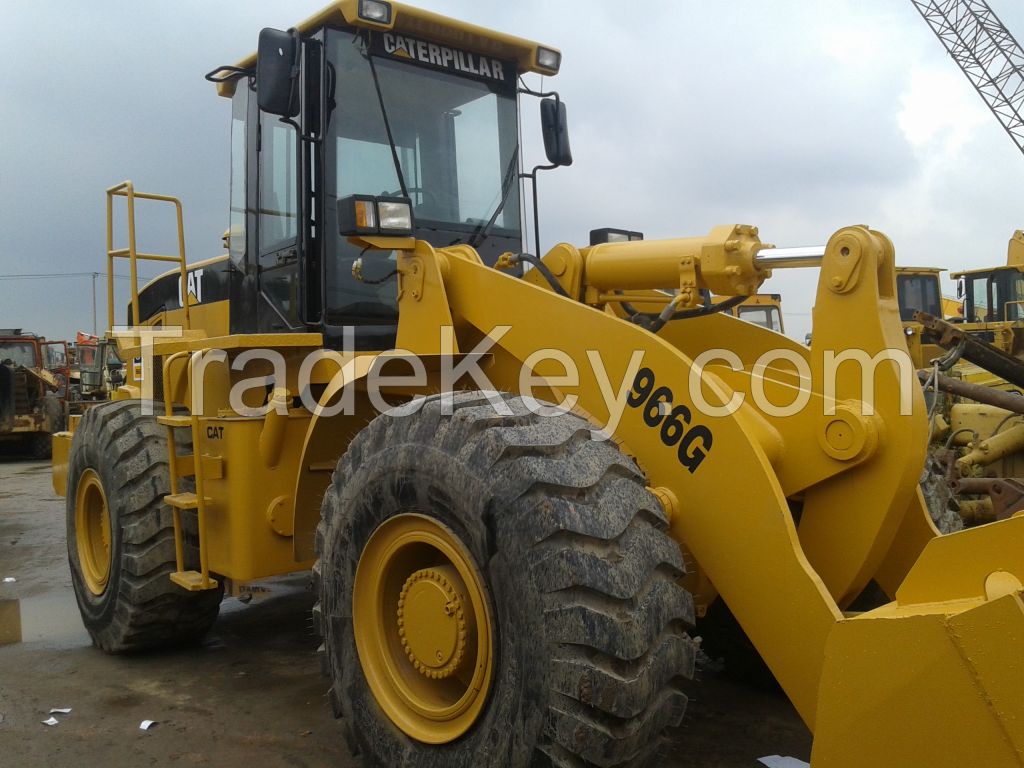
(683,114)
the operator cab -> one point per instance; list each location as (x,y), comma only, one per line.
(414,115)
(763,309)
(918,290)
(992,295)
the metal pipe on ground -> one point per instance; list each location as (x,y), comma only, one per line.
(972,485)
(976,392)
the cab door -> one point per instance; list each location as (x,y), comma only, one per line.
(278,226)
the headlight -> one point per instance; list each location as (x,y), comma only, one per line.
(368,215)
(394,215)
(549,59)
(376,11)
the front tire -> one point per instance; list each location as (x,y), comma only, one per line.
(121,535)
(588,624)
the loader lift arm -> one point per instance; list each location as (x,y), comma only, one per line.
(862,516)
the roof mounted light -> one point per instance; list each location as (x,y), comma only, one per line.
(375,11)
(549,59)
(610,235)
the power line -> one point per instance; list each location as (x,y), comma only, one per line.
(42,275)
(60,275)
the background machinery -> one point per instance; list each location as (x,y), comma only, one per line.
(764,309)
(33,389)
(970,361)
(498,582)
(96,373)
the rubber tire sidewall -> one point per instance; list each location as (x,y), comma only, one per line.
(97,610)
(512,718)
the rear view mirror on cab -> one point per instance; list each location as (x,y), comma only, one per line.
(555,128)
(277,72)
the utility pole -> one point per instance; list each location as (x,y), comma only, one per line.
(94,276)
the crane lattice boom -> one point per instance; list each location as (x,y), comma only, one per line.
(986,52)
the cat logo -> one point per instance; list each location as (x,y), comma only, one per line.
(195,288)
(443,57)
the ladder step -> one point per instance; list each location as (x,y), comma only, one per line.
(193,581)
(185,500)
(174,421)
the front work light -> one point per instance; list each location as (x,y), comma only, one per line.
(368,215)
(549,59)
(394,215)
(376,11)
(610,235)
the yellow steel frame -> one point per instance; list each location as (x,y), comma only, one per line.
(127,190)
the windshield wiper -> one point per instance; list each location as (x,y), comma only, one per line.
(480,233)
(387,129)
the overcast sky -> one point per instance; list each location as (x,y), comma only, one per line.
(799,117)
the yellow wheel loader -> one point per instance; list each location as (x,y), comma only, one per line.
(515,496)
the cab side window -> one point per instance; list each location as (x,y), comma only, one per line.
(239,159)
(278,185)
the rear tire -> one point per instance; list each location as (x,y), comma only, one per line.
(135,606)
(590,646)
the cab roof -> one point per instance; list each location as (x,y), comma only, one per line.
(987,270)
(415,21)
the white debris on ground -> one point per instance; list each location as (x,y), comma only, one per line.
(775,761)
(145,725)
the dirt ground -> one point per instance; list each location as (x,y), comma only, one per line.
(251,694)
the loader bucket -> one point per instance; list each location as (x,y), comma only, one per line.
(935,677)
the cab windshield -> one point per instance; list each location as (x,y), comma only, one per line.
(918,293)
(455,138)
(18,352)
(995,296)
(765,316)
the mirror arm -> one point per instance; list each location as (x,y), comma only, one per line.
(539,94)
(532,176)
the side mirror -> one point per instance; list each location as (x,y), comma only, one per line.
(277,72)
(960,288)
(555,128)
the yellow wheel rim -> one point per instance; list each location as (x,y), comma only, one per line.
(423,628)
(92,531)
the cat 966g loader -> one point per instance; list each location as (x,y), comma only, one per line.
(517,489)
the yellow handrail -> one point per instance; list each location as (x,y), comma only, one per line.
(127,190)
